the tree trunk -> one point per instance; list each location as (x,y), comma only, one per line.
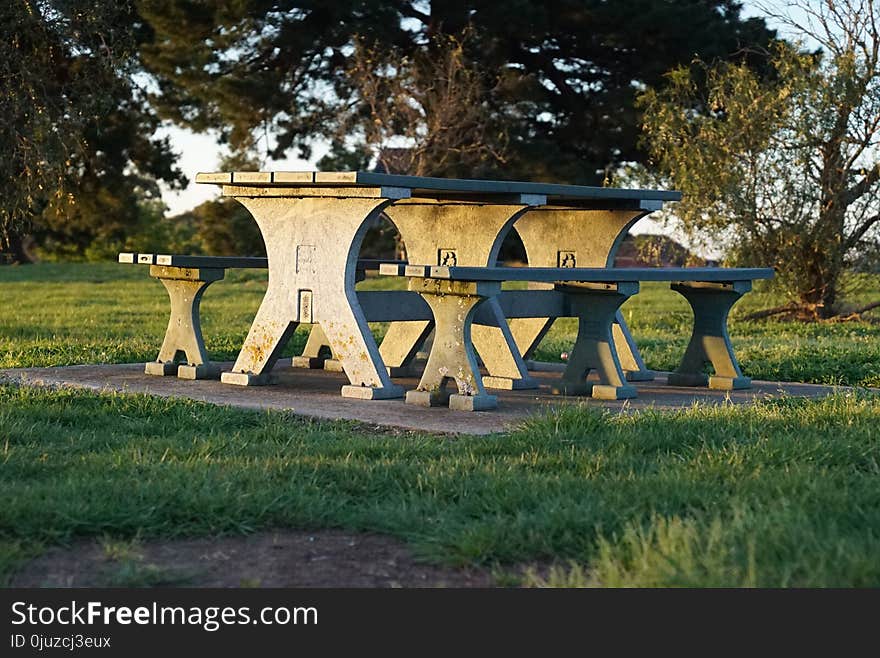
(821,282)
(16,250)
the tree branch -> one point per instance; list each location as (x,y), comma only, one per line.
(411,12)
(861,231)
(861,188)
(769,312)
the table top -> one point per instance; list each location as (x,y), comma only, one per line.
(331,182)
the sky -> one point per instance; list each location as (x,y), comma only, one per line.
(200,152)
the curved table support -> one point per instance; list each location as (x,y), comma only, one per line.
(574,237)
(464,234)
(305,286)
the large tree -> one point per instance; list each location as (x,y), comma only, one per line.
(77,133)
(273,75)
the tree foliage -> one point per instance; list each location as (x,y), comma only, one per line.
(561,74)
(77,133)
(783,170)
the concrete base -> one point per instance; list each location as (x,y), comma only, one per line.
(729,383)
(712,381)
(368,393)
(510,384)
(315,393)
(597,391)
(333,365)
(245,379)
(428,398)
(601,392)
(472,402)
(161,368)
(201,371)
(311,362)
(639,375)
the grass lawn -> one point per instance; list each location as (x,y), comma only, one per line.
(785,493)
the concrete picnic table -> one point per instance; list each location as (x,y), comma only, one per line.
(313,224)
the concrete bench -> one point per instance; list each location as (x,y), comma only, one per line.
(593,295)
(186,278)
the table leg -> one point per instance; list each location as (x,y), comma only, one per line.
(596,307)
(710,342)
(497,349)
(452,356)
(312,245)
(272,327)
(185,287)
(574,237)
(400,344)
(316,352)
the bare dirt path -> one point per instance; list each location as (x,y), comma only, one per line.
(283,558)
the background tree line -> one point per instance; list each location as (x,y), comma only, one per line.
(563,90)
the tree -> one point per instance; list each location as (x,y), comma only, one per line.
(424,115)
(77,135)
(270,76)
(783,171)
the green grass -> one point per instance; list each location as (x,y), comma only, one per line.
(108,313)
(781,494)
(784,493)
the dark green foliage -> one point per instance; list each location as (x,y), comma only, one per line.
(224,228)
(559,74)
(77,134)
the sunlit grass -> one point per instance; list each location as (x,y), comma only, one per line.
(780,494)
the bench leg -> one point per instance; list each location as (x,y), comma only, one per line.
(529,332)
(710,342)
(452,356)
(185,287)
(596,308)
(573,237)
(271,329)
(456,234)
(312,245)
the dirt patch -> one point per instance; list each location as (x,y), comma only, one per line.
(283,558)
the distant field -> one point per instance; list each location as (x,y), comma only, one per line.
(782,493)
(108,313)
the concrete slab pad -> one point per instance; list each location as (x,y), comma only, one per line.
(316,393)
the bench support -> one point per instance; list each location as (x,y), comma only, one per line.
(596,307)
(185,286)
(710,342)
(452,356)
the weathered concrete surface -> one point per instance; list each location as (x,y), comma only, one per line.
(315,393)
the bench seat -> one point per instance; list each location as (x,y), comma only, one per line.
(593,295)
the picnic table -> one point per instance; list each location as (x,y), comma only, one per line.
(313,224)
